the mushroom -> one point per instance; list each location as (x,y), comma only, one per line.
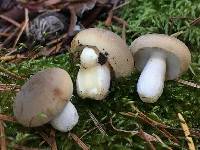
(44,97)
(159,57)
(67,119)
(102,53)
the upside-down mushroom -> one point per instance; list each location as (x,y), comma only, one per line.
(160,57)
(102,53)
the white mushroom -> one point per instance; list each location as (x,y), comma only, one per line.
(44,97)
(103,52)
(67,119)
(159,57)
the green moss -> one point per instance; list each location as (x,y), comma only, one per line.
(143,16)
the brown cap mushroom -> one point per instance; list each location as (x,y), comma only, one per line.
(159,57)
(110,45)
(43,97)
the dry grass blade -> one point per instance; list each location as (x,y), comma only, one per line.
(186,132)
(8,39)
(22,28)
(188,83)
(121,130)
(78,141)
(2,138)
(10,20)
(7,118)
(97,124)
(13,75)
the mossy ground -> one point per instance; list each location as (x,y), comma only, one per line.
(143,16)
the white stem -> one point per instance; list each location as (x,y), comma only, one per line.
(93,82)
(88,57)
(151,82)
(67,119)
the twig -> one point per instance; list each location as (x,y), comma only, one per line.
(97,124)
(4,34)
(53,139)
(7,40)
(110,14)
(195,21)
(124,32)
(22,28)
(13,75)
(2,138)
(9,87)
(120,21)
(10,20)
(186,132)
(46,138)
(122,5)
(147,137)
(78,141)
(160,127)
(8,58)
(188,83)
(142,134)
(7,118)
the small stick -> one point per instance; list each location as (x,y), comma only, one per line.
(78,141)
(120,21)
(188,83)
(7,118)
(97,124)
(2,138)
(53,143)
(108,21)
(13,75)
(4,34)
(124,32)
(22,28)
(7,40)
(122,5)
(186,132)
(10,20)
(8,58)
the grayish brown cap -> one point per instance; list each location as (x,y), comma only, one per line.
(43,97)
(109,44)
(178,57)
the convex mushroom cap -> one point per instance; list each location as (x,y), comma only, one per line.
(110,45)
(159,57)
(43,97)
(178,57)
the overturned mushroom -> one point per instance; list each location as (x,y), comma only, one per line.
(102,52)
(44,97)
(159,57)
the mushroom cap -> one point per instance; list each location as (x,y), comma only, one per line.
(178,57)
(109,44)
(43,97)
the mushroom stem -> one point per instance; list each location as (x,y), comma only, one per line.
(151,81)
(67,119)
(93,82)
